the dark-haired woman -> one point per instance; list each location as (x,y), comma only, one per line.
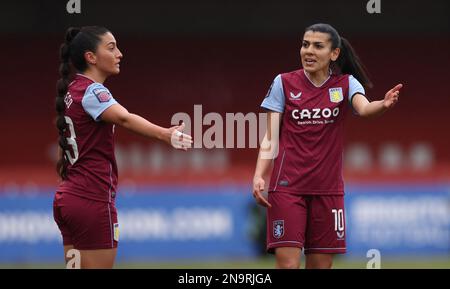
(84,203)
(306,109)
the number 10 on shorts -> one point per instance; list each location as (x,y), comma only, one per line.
(338,222)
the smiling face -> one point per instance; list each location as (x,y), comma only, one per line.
(317,52)
(107,57)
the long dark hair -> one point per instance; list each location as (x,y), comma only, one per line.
(77,41)
(348,61)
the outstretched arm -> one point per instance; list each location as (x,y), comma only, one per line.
(377,107)
(119,115)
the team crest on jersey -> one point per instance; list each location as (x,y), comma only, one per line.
(336,94)
(278,229)
(102,94)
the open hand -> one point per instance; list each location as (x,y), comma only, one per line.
(178,139)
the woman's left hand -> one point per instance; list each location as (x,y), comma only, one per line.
(178,139)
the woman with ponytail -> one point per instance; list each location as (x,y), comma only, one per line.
(305,201)
(84,204)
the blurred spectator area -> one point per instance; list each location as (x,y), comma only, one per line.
(162,76)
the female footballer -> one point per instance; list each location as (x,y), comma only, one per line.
(305,203)
(84,204)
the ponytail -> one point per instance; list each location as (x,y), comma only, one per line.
(62,85)
(347,62)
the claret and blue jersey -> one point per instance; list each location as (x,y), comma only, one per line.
(310,145)
(92,169)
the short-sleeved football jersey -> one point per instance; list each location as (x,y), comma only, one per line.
(92,168)
(309,159)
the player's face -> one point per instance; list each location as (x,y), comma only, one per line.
(316,52)
(108,55)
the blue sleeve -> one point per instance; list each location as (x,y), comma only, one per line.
(275,96)
(96,100)
(354,86)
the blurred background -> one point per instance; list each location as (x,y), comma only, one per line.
(195,209)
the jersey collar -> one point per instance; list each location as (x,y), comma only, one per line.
(325,81)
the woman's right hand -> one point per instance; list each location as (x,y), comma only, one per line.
(258,189)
